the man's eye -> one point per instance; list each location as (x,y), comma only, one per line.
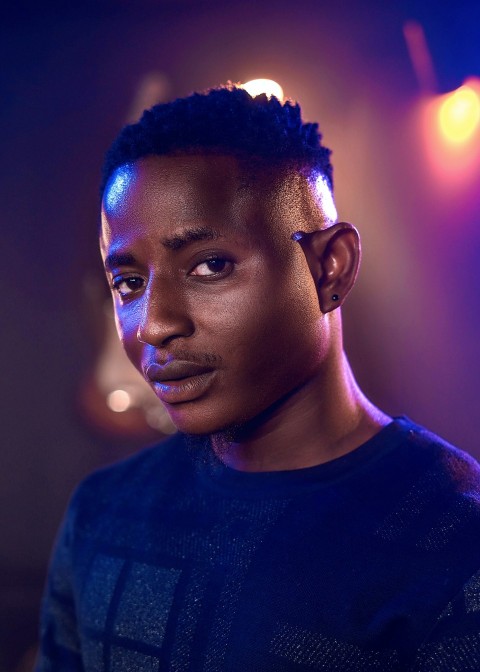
(125,286)
(212,267)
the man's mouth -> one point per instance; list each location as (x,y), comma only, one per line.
(179,381)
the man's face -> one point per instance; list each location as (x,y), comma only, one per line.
(214,302)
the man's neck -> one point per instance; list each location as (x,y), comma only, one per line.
(327,417)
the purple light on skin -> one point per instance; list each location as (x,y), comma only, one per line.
(325,199)
(298,235)
(118,186)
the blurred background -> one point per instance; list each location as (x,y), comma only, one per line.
(395,87)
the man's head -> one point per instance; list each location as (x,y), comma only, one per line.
(226,120)
(216,302)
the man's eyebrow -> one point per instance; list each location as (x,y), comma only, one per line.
(115,260)
(176,242)
(190,236)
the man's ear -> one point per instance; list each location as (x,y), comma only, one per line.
(333,256)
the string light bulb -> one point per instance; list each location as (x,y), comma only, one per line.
(255,87)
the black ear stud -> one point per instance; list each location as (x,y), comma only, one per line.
(335,297)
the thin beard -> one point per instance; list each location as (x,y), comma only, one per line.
(202,446)
(199,448)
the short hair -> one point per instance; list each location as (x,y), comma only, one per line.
(225,120)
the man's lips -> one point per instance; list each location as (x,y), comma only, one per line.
(179,381)
(174,371)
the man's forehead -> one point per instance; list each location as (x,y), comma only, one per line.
(118,186)
(200,186)
(242,173)
(179,200)
(176,166)
(199,180)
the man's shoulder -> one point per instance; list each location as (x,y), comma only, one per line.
(151,467)
(433,494)
(444,463)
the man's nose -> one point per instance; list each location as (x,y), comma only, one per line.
(164,315)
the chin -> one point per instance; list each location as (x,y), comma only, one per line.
(232,417)
(229,426)
(201,422)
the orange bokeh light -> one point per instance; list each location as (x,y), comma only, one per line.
(450,131)
(459,115)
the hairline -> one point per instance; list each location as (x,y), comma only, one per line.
(281,166)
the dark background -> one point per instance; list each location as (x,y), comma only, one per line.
(70,78)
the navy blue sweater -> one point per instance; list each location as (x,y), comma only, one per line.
(172,561)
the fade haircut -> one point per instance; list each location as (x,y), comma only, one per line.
(223,120)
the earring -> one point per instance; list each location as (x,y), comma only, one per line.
(335,297)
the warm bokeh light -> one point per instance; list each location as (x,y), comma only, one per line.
(450,134)
(257,86)
(459,115)
(119,401)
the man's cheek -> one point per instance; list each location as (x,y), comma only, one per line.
(127,329)
(119,325)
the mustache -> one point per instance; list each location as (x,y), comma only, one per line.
(202,358)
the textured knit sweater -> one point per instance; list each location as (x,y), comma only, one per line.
(172,561)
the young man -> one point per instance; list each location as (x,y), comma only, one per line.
(290,525)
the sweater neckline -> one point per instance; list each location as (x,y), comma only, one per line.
(215,474)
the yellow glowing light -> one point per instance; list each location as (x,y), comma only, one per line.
(459,115)
(257,86)
(119,401)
